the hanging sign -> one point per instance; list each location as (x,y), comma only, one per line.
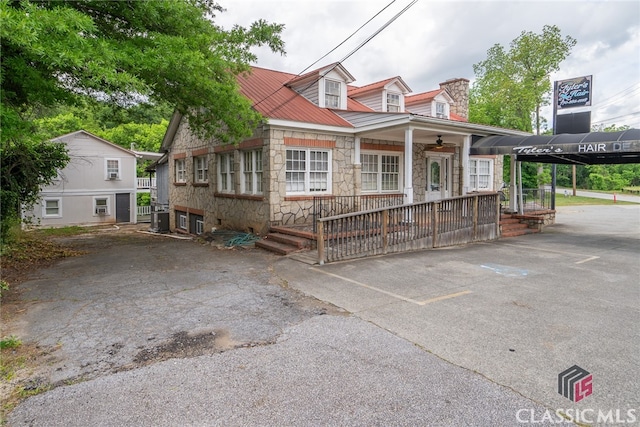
(574,92)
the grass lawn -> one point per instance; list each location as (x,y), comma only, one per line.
(579,200)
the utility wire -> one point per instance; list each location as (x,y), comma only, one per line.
(618,117)
(367,40)
(327,54)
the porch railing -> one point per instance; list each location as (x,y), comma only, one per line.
(533,199)
(423,225)
(325,206)
(146,182)
(144,210)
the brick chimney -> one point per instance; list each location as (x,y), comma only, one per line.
(458,89)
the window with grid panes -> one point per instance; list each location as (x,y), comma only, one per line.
(113,168)
(332,94)
(308,171)
(480,174)
(200,169)
(380,172)
(441,110)
(252,171)
(225,173)
(51,207)
(393,102)
(181,175)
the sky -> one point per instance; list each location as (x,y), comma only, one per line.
(434,41)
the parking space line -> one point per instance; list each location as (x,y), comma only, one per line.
(529,248)
(587,260)
(443,297)
(391,294)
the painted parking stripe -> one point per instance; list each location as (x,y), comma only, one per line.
(528,248)
(391,294)
(587,260)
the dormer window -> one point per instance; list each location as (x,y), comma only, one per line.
(332,93)
(441,110)
(393,102)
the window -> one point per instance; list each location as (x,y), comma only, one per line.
(480,174)
(252,171)
(113,169)
(199,226)
(100,206)
(181,220)
(393,102)
(307,171)
(181,175)
(52,208)
(441,108)
(380,172)
(332,92)
(200,169)
(225,173)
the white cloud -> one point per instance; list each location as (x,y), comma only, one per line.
(438,40)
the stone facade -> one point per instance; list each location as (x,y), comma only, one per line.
(458,89)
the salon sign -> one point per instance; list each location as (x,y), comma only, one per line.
(574,92)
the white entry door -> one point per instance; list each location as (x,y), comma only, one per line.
(438,177)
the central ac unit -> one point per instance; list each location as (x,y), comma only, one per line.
(113,175)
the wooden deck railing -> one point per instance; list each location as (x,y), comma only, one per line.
(448,222)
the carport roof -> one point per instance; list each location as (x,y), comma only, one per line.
(583,148)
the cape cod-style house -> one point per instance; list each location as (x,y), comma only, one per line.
(326,138)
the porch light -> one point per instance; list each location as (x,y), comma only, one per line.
(439,141)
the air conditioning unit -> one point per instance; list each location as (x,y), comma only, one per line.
(113,175)
(101,210)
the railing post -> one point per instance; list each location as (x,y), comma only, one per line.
(320,242)
(475,218)
(434,221)
(498,213)
(385,230)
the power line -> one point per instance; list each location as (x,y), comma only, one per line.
(367,40)
(615,118)
(328,53)
(614,98)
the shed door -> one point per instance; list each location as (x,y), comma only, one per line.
(123,207)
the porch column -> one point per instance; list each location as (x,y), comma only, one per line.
(466,147)
(513,188)
(357,168)
(408,166)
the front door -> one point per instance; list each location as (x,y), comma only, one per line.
(123,207)
(438,177)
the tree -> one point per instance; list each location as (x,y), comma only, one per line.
(511,85)
(162,51)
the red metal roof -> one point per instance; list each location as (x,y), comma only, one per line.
(421,97)
(354,91)
(267,90)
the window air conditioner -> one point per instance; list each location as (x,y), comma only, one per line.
(101,210)
(113,175)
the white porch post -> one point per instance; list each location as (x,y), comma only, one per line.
(408,166)
(513,188)
(466,147)
(356,161)
(357,168)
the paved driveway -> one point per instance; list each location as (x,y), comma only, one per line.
(155,331)
(518,311)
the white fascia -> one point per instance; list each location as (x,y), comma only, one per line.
(310,126)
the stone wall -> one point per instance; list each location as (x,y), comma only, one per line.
(458,89)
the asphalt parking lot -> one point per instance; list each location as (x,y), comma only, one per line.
(155,331)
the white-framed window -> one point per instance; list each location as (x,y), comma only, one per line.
(181,170)
(181,220)
(381,172)
(308,171)
(101,206)
(480,174)
(332,91)
(200,169)
(199,226)
(112,167)
(226,171)
(52,208)
(441,110)
(393,102)
(252,172)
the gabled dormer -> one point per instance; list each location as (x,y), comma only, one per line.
(435,103)
(325,87)
(384,96)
